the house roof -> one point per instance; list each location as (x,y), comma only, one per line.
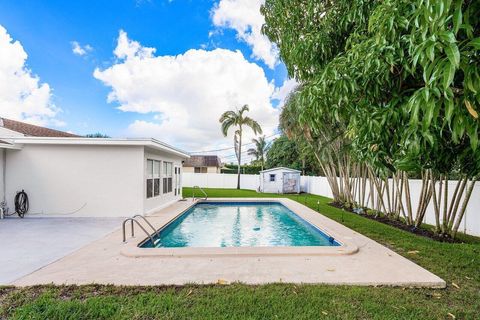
(203,161)
(282,169)
(7,145)
(32,130)
(39,135)
(148,143)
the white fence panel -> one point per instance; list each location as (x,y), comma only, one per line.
(319,186)
(221,180)
(315,185)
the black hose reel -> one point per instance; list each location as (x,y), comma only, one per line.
(21,203)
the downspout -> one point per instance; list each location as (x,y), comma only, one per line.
(4,171)
(3,203)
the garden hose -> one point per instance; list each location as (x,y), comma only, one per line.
(21,203)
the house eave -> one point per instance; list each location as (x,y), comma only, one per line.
(151,143)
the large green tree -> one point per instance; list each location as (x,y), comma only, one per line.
(285,152)
(404,78)
(237,120)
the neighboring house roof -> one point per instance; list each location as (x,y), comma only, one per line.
(147,143)
(282,169)
(203,161)
(32,130)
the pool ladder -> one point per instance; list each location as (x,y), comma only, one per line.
(135,220)
(203,191)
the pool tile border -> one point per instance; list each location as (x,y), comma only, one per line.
(326,225)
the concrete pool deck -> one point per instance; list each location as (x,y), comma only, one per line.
(102,262)
(33,242)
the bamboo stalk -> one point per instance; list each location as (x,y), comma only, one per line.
(436,207)
(464,207)
(387,190)
(379,193)
(408,198)
(457,203)
(452,202)
(401,208)
(445,206)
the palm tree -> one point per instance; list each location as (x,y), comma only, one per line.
(237,119)
(259,151)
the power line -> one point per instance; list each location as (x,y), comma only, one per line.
(244,153)
(224,149)
(234,155)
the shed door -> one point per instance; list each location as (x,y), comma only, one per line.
(290,182)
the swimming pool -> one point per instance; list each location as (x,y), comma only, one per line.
(239,224)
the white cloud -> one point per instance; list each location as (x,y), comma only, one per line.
(22,96)
(187,93)
(80,50)
(281,93)
(127,48)
(245,18)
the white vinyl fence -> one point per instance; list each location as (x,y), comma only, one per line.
(319,186)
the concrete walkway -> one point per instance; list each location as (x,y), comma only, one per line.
(102,262)
(31,243)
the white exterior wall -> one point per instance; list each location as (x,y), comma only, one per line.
(319,186)
(78,180)
(276,186)
(272,186)
(209,169)
(153,204)
(213,170)
(188,169)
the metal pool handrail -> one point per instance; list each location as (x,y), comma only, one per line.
(203,191)
(147,222)
(133,232)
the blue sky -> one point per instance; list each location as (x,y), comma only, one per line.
(47,31)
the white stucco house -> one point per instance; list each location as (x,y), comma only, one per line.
(280,180)
(64,174)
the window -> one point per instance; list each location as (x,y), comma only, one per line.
(153,178)
(156,178)
(200,169)
(167,177)
(177,181)
(272,178)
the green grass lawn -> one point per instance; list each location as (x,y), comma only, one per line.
(458,264)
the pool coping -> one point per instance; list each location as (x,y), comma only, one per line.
(317,220)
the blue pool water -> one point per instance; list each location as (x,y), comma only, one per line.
(239,224)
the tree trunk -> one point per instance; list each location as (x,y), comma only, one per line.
(464,207)
(239,157)
(408,198)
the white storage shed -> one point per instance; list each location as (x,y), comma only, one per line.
(280,180)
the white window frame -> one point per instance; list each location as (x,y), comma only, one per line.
(167,177)
(153,175)
(272,175)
